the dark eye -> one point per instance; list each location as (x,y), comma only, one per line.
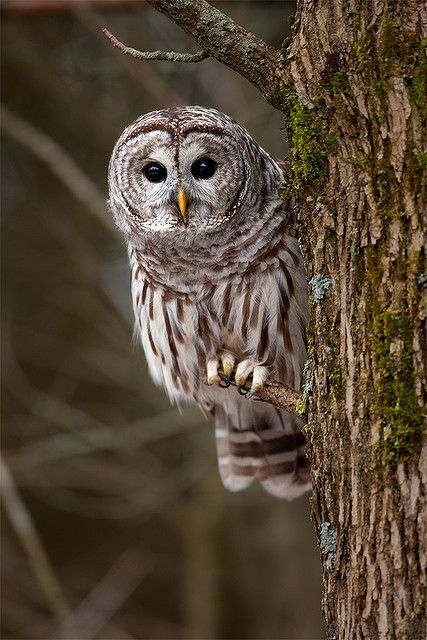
(155,172)
(203,168)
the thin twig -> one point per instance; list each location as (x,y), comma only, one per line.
(171,56)
(152,82)
(41,404)
(273,392)
(27,534)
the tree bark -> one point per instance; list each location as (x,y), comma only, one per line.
(353,96)
(361,71)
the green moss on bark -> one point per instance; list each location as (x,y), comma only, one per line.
(341,96)
(401,417)
(384,185)
(418,83)
(301,408)
(362,52)
(310,143)
(395,405)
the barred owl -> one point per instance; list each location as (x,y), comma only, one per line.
(218,284)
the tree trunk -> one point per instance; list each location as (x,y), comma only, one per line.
(355,122)
(351,85)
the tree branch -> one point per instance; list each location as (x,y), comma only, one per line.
(281,396)
(221,38)
(274,392)
(171,56)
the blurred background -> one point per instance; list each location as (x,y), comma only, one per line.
(115,522)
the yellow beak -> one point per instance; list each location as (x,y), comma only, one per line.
(182,201)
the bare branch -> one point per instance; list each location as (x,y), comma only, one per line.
(25,530)
(145,74)
(171,56)
(221,38)
(273,392)
(281,396)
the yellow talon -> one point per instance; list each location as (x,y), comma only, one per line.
(240,381)
(214,379)
(227,368)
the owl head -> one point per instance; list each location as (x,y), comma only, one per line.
(188,171)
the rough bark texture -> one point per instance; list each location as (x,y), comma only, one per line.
(354,115)
(281,396)
(354,106)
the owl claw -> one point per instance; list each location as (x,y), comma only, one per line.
(215,375)
(249,377)
(225,380)
(228,362)
(243,391)
(227,369)
(247,368)
(212,372)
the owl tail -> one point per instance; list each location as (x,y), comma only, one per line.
(257,440)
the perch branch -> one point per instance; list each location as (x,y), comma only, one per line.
(171,56)
(281,396)
(220,38)
(274,392)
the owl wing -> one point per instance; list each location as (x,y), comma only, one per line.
(256,440)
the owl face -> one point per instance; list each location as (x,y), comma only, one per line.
(181,171)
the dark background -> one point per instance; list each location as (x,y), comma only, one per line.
(122,490)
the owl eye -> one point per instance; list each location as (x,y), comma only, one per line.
(203,168)
(155,172)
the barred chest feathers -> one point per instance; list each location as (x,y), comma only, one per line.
(259,316)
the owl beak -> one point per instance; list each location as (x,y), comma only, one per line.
(182,201)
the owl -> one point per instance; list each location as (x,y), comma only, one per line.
(218,284)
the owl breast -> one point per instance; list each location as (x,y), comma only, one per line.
(255,316)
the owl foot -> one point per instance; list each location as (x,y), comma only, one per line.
(248,368)
(226,362)
(249,377)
